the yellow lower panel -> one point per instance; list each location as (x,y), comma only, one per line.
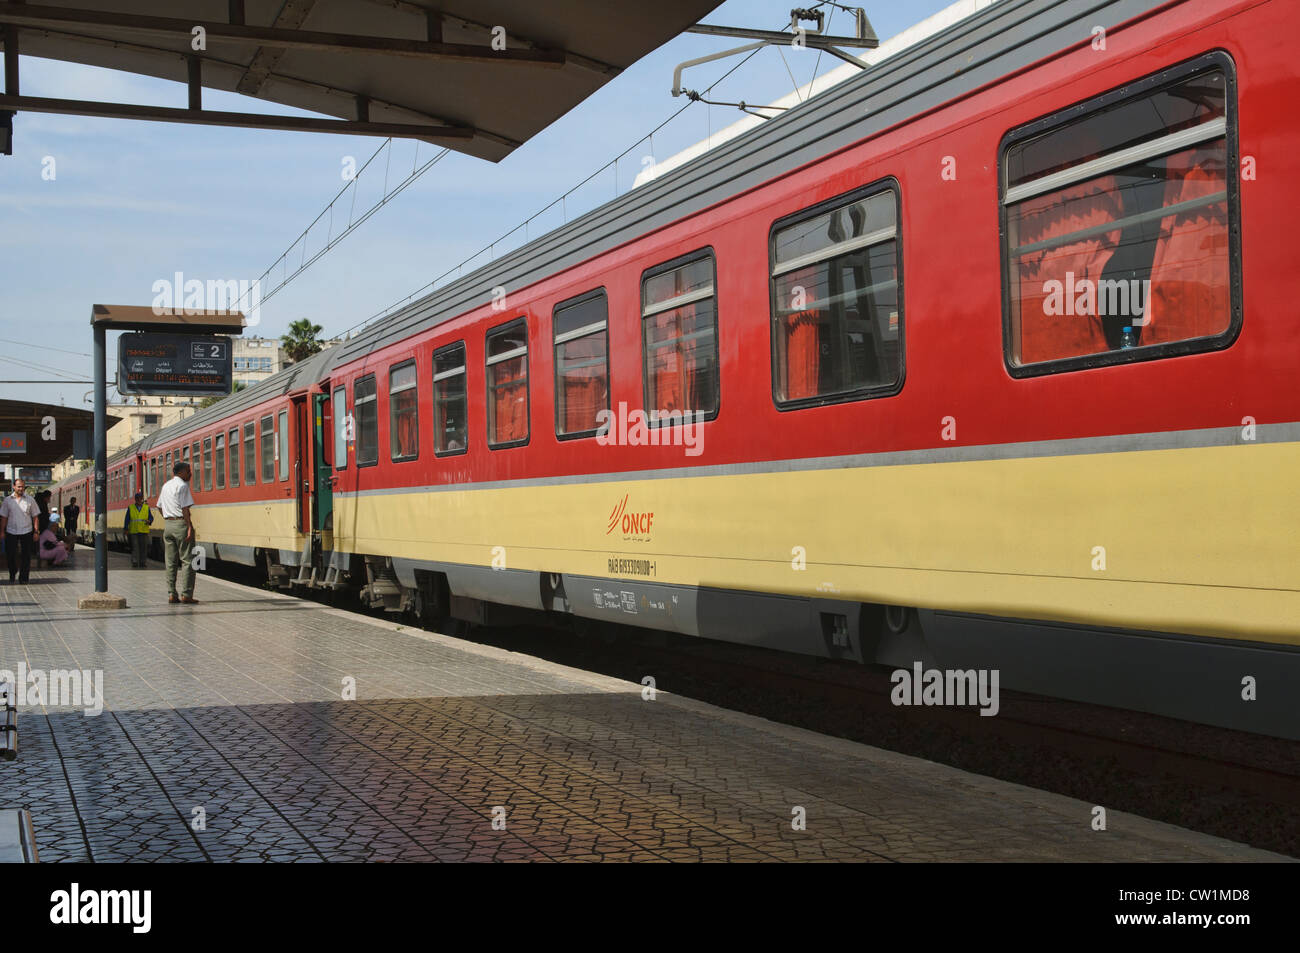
(265,525)
(1201,541)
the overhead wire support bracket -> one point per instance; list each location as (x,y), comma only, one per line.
(812,39)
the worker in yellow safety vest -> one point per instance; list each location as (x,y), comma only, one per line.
(138,520)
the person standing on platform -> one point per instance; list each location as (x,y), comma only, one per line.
(175,500)
(139,517)
(18,516)
(43,504)
(71,516)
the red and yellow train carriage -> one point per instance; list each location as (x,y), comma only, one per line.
(985,359)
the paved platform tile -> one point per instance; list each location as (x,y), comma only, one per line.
(227,735)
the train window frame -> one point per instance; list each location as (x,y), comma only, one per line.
(196,466)
(282,445)
(265,426)
(414,385)
(489,361)
(219,460)
(438,376)
(368,379)
(233,448)
(577,334)
(207,462)
(878,186)
(1211,61)
(654,272)
(251,463)
(339,408)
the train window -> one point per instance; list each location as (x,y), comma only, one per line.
(340,428)
(450,400)
(219,461)
(365,405)
(1119,225)
(168,458)
(234,457)
(282,445)
(403,413)
(837,308)
(250,453)
(507,385)
(207,463)
(268,449)
(196,463)
(581,364)
(679,326)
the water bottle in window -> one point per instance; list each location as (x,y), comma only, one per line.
(1128,337)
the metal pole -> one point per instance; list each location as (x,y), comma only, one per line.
(101,462)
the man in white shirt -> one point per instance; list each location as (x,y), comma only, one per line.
(175,500)
(18,515)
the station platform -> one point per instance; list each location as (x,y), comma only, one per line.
(225,736)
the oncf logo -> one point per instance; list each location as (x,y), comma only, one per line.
(631,523)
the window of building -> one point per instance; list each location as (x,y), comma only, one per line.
(450,400)
(268,449)
(340,428)
(365,408)
(837,316)
(234,457)
(1119,225)
(283,445)
(250,453)
(403,413)
(581,364)
(507,385)
(219,461)
(679,324)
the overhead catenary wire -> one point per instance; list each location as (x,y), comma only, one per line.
(44,347)
(354,222)
(562,201)
(34,366)
(417,171)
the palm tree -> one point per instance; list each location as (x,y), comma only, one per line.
(301,341)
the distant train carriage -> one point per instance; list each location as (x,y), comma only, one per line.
(981,359)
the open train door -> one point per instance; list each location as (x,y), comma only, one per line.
(323,470)
(301,470)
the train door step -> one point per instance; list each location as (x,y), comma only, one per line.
(306,571)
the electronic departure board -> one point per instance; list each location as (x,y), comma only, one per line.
(194,364)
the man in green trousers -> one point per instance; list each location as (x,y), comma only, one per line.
(175,500)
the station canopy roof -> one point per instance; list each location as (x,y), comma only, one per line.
(426,67)
(29,419)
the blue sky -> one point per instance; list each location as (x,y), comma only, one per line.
(134,202)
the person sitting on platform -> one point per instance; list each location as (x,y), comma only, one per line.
(48,546)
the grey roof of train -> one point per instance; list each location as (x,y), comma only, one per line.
(990,44)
